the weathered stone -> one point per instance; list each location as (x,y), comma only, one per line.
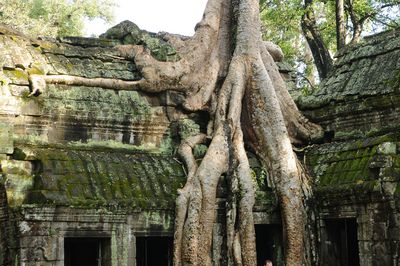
(19,91)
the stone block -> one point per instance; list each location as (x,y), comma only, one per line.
(6,139)
(389,188)
(52,247)
(366,260)
(365,231)
(32,255)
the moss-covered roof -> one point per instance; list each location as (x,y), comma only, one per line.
(356,167)
(78,177)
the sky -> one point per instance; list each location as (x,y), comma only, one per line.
(173,16)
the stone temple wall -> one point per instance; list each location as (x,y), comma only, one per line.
(357,169)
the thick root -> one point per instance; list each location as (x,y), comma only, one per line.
(274,147)
(301,130)
(38,83)
(182,202)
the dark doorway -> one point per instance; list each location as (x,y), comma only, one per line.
(340,243)
(154,251)
(87,251)
(269,244)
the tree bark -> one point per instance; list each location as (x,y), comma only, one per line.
(357,23)
(227,70)
(340,24)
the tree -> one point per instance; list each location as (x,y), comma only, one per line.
(228,71)
(378,12)
(53,18)
(351,19)
(320,52)
(340,25)
(327,26)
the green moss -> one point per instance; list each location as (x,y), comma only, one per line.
(111,144)
(30,140)
(37,68)
(89,178)
(200,151)
(167,146)
(347,166)
(18,154)
(18,187)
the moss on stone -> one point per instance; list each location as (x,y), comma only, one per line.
(36,68)
(394,82)
(345,135)
(111,145)
(128,32)
(347,166)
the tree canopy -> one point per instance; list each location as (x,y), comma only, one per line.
(53,18)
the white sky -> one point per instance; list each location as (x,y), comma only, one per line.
(173,16)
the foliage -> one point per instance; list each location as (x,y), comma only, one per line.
(53,17)
(281,25)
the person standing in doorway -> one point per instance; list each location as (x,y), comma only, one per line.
(268,263)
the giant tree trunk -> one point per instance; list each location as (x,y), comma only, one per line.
(252,84)
(227,70)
